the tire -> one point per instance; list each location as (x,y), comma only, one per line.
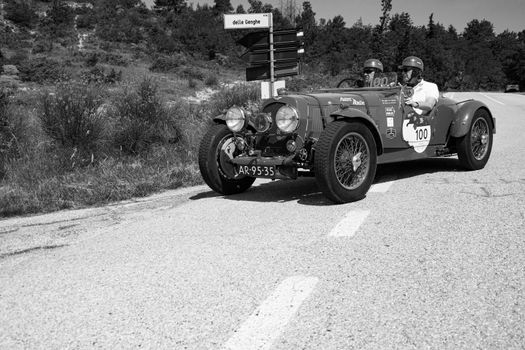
(474,148)
(345,161)
(215,150)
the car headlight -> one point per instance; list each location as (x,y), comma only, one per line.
(235,119)
(287,119)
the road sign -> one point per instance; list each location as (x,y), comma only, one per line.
(271,54)
(247,21)
(280,48)
(264,71)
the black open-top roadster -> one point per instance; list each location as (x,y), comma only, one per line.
(339,135)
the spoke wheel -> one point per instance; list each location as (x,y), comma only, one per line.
(479,138)
(351,161)
(474,148)
(216,150)
(345,161)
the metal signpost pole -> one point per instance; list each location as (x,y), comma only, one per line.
(272,65)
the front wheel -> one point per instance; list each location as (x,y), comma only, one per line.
(345,161)
(216,150)
(474,148)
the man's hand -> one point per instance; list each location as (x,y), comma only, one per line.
(410,102)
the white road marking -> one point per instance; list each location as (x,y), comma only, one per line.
(350,224)
(268,321)
(493,99)
(381,187)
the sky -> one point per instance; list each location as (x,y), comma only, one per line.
(503,14)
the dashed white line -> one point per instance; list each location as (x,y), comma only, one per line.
(350,224)
(268,321)
(493,99)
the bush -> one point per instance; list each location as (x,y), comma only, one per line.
(20,13)
(244,94)
(192,73)
(142,119)
(70,118)
(42,70)
(98,75)
(192,84)
(167,64)
(8,144)
(211,80)
(42,45)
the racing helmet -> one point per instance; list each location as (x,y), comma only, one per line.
(374,63)
(412,61)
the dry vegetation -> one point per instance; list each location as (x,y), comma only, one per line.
(78,144)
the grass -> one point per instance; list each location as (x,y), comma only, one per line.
(69,151)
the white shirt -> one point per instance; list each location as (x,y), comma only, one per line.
(425,94)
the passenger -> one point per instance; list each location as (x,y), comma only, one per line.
(425,94)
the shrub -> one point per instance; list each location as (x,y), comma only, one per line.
(239,95)
(167,64)
(192,73)
(7,138)
(142,119)
(42,45)
(42,70)
(192,84)
(211,80)
(20,13)
(113,59)
(98,75)
(70,118)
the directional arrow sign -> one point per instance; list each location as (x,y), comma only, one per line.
(280,70)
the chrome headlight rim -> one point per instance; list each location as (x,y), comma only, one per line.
(235,118)
(287,119)
(262,122)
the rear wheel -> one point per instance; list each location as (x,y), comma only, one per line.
(345,161)
(474,148)
(216,150)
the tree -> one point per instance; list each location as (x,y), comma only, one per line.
(165,6)
(330,48)
(398,41)
(240,9)
(306,20)
(438,60)
(288,10)
(20,13)
(222,7)
(510,52)
(377,43)
(386,7)
(256,6)
(481,63)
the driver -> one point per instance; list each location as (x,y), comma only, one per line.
(425,94)
(371,67)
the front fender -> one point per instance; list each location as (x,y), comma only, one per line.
(221,118)
(355,114)
(463,118)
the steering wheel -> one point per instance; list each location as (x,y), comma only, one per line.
(350,83)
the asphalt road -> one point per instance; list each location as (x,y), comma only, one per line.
(432,258)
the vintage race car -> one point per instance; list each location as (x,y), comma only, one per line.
(339,136)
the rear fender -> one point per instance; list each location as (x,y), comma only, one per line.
(357,115)
(465,113)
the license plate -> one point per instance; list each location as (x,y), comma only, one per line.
(256,170)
